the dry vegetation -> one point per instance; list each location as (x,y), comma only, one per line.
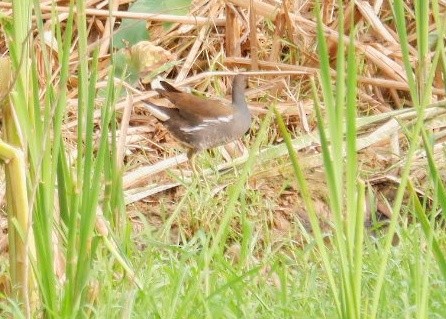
(276,42)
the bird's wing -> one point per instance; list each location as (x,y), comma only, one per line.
(194,107)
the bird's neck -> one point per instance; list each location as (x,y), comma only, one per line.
(238,98)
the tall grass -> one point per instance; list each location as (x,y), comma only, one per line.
(65,195)
(17,108)
(346,190)
(420,80)
(232,267)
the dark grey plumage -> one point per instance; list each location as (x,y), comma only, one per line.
(202,123)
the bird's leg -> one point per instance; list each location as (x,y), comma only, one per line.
(191,155)
(198,175)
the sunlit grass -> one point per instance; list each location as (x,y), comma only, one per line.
(216,253)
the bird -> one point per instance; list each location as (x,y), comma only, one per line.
(201,123)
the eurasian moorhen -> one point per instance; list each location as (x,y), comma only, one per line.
(202,123)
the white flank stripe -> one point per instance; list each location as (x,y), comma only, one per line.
(190,129)
(220,119)
(226,118)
